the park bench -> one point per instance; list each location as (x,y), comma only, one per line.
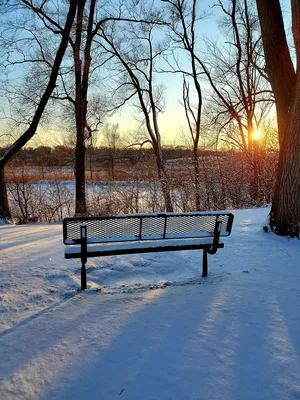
(145,233)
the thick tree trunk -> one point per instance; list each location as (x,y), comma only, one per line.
(82,71)
(80,207)
(279,65)
(285,215)
(30,132)
(285,212)
(80,198)
(164,180)
(166,191)
(4,206)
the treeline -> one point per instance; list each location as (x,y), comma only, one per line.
(64,155)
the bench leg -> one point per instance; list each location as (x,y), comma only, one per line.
(83,277)
(204,266)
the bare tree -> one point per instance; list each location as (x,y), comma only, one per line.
(87,28)
(135,53)
(40,107)
(241,91)
(90,19)
(182,20)
(242,97)
(74,85)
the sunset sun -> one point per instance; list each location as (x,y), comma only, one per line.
(257,134)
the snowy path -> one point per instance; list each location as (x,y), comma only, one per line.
(233,336)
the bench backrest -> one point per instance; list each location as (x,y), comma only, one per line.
(133,227)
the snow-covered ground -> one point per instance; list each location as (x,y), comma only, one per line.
(150,327)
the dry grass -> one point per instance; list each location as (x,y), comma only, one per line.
(27,176)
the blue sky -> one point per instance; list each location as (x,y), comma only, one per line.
(172,121)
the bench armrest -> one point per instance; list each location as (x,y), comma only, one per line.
(217,233)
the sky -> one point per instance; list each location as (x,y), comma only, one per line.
(172,122)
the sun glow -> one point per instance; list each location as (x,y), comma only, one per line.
(257,134)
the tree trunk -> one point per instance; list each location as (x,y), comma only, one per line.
(285,212)
(113,167)
(197,178)
(278,60)
(164,180)
(80,199)
(80,208)
(165,190)
(255,177)
(4,206)
(253,154)
(82,70)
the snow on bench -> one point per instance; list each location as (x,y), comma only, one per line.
(144,233)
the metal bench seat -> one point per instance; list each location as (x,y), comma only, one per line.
(145,246)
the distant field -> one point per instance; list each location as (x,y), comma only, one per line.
(37,173)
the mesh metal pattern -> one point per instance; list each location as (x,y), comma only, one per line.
(123,228)
(103,228)
(191,224)
(153,226)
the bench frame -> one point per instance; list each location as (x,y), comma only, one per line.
(211,248)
